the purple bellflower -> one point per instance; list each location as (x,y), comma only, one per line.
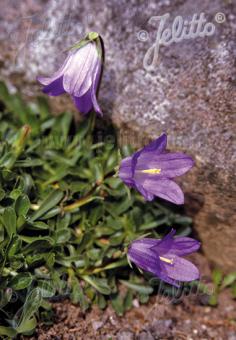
(79,75)
(151,170)
(163,258)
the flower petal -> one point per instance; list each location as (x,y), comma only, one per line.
(165,244)
(179,246)
(84,103)
(146,194)
(184,245)
(78,75)
(170,164)
(125,173)
(140,253)
(95,83)
(158,146)
(164,188)
(146,242)
(55,88)
(47,80)
(182,269)
(167,279)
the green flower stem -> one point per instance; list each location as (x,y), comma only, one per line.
(92,121)
(84,200)
(80,202)
(88,198)
(113,265)
(117,264)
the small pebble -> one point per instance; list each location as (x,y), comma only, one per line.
(231,336)
(97,324)
(112,320)
(125,336)
(207,310)
(145,336)
(136,303)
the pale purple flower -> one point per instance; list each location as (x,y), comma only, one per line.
(163,258)
(151,171)
(79,75)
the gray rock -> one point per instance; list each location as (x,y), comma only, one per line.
(125,335)
(97,325)
(145,336)
(161,328)
(231,336)
(190,93)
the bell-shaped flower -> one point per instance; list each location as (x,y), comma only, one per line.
(79,75)
(151,171)
(163,258)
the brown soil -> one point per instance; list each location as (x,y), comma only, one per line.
(188,319)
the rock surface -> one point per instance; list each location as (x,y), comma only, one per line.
(190,93)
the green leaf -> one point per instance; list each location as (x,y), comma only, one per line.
(15,193)
(64,222)
(22,205)
(217,277)
(128,301)
(4,93)
(124,206)
(138,287)
(143,298)
(51,213)
(50,202)
(50,260)
(62,236)
(2,194)
(234,290)
(99,284)
(21,281)
(27,326)
(152,224)
(39,225)
(36,245)
(118,304)
(77,295)
(213,300)
(30,307)
(9,220)
(43,107)
(101,301)
(5,297)
(228,280)
(1,233)
(14,246)
(46,288)
(8,331)
(62,125)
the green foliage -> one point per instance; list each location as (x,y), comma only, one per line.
(221,282)
(66,220)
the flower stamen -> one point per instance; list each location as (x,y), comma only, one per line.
(164,259)
(151,171)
